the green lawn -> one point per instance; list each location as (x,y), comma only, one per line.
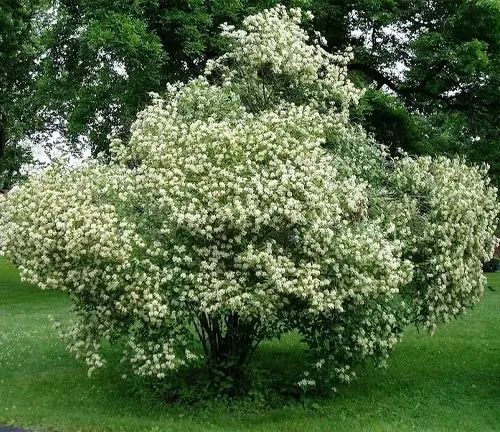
(450,381)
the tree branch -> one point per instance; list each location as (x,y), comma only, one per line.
(3,134)
(406,91)
(374,75)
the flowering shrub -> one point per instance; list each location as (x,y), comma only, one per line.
(246,205)
(451,235)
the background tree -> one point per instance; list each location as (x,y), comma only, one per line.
(440,61)
(18,52)
(105,56)
(433,67)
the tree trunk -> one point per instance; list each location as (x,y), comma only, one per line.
(8,175)
(229,343)
(3,134)
(3,144)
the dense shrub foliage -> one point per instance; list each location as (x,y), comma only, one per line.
(246,205)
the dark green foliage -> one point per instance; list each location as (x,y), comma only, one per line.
(105,56)
(441,60)
(433,68)
(17,78)
(84,68)
(386,118)
(102,60)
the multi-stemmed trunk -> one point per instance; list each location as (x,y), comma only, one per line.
(228,343)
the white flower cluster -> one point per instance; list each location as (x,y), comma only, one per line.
(272,61)
(452,234)
(245,205)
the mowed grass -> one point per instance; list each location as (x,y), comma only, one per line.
(450,381)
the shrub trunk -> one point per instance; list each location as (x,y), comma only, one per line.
(228,342)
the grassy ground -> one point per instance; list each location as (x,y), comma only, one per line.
(450,381)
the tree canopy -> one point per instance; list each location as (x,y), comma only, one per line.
(18,54)
(441,61)
(432,67)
